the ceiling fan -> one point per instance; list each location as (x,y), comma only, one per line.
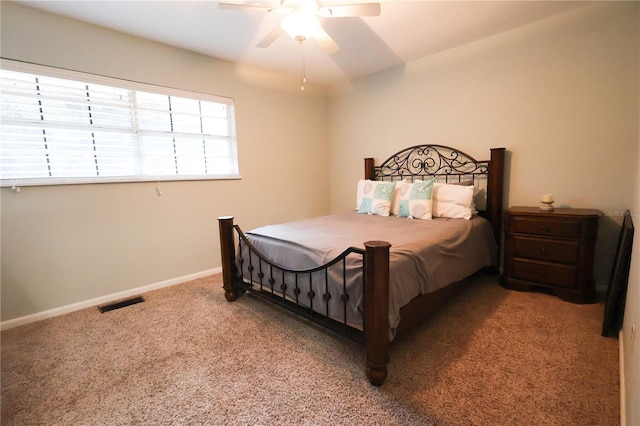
(301,22)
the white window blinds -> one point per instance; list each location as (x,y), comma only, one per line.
(57,130)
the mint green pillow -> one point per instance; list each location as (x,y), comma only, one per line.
(414,200)
(376,197)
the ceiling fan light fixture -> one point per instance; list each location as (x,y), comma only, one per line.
(299,25)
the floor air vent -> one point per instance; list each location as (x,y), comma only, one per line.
(120,304)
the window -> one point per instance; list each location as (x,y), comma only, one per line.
(61,127)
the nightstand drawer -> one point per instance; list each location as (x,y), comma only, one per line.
(546,249)
(563,228)
(546,273)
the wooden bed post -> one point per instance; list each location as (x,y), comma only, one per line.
(228,252)
(368,169)
(495,190)
(376,310)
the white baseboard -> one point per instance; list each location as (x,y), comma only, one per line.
(623,392)
(5,325)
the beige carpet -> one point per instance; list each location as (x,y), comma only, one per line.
(188,357)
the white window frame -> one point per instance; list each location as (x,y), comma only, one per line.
(136,87)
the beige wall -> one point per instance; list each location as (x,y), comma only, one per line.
(67,244)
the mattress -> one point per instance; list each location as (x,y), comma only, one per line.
(425,256)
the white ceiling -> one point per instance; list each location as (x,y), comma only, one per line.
(404,31)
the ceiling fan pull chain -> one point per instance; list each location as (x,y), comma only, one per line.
(303,69)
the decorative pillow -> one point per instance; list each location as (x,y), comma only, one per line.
(401,188)
(376,197)
(360,192)
(453,201)
(396,192)
(414,199)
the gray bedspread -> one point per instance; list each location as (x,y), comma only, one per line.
(425,255)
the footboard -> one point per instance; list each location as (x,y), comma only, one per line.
(245,269)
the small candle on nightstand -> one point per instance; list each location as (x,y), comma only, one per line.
(547,198)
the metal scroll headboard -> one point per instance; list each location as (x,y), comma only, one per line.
(423,161)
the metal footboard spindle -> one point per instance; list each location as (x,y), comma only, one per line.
(375,290)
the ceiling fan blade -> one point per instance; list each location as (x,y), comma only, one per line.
(325,41)
(245,7)
(347,10)
(270,38)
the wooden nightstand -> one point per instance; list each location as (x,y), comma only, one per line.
(552,250)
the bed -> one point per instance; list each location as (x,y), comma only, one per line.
(371,274)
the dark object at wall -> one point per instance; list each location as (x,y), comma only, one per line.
(617,289)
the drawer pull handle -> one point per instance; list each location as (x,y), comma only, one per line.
(542,272)
(543,250)
(544,228)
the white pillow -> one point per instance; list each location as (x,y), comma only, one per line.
(414,199)
(360,192)
(452,201)
(401,188)
(376,197)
